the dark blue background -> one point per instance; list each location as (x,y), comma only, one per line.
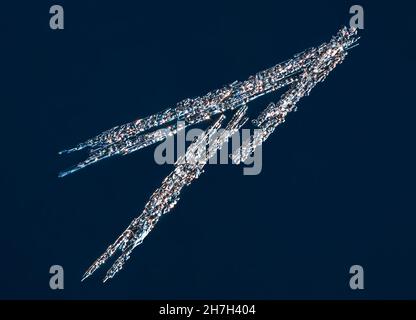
(336,187)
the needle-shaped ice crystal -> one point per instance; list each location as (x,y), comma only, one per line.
(187,169)
(301,73)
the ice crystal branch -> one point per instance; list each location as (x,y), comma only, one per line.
(187,169)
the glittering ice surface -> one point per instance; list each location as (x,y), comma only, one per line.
(301,73)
